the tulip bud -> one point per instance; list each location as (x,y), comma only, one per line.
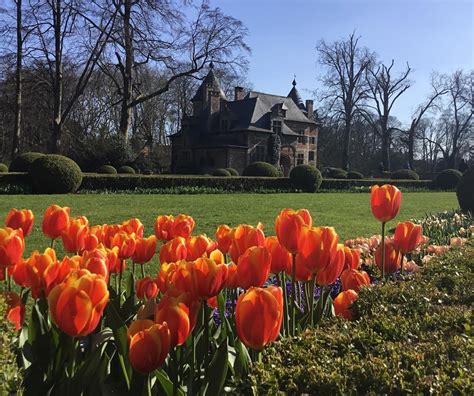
(253,267)
(289,226)
(20,219)
(407,236)
(385,202)
(12,245)
(55,220)
(343,302)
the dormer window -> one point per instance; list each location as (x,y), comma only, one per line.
(276,126)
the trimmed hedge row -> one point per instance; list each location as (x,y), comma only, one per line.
(413,337)
(19,182)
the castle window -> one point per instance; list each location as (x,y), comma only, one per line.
(276,126)
(260,153)
(312,140)
(311,156)
(300,159)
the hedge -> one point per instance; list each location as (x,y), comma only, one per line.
(412,337)
(19,183)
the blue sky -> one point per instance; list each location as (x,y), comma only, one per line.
(429,34)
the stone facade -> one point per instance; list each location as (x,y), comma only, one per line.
(225,133)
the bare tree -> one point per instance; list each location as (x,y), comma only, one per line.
(346,63)
(385,89)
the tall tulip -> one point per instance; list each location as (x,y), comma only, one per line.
(163,228)
(199,246)
(253,267)
(173,251)
(146,288)
(224,238)
(244,236)
(258,316)
(354,279)
(351,258)
(332,271)
(133,226)
(289,225)
(149,347)
(281,258)
(55,220)
(343,302)
(385,203)
(96,261)
(12,245)
(144,250)
(317,247)
(23,219)
(77,304)
(74,235)
(183,226)
(387,257)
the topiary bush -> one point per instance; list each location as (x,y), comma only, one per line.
(447,179)
(107,170)
(55,174)
(465,191)
(259,168)
(126,170)
(221,172)
(354,175)
(336,173)
(404,174)
(23,162)
(306,177)
(3,168)
(232,171)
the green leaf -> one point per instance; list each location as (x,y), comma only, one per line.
(164,384)
(217,370)
(244,361)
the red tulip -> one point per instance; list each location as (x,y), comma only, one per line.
(133,226)
(12,245)
(253,267)
(317,247)
(354,279)
(125,243)
(407,236)
(199,246)
(232,281)
(289,226)
(243,237)
(281,258)
(164,278)
(144,250)
(303,274)
(74,235)
(149,348)
(15,312)
(163,227)
(343,302)
(23,219)
(351,258)
(97,262)
(224,238)
(55,220)
(146,288)
(108,233)
(173,251)
(77,304)
(183,226)
(393,257)
(258,316)
(385,202)
(330,274)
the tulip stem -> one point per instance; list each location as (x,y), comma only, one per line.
(311,300)
(383,250)
(401,264)
(148,384)
(286,331)
(122,262)
(206,335)
(143,270)
(52,243)
(293,293)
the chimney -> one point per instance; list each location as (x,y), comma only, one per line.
(309,108)
(238,93)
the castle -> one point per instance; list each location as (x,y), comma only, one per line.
(256,126)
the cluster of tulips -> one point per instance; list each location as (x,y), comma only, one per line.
(162,322)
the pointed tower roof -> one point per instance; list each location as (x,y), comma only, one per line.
(211,80)
(295,95)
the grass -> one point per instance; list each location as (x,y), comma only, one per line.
(349,213)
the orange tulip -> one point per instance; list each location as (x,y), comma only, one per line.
(125,243)
(66,266)
(23,219)
(12,245)
(146,288)
(354,279)
(74,235)
(137,326)
(217,256)
(97,262)
(289,226)
(330,274)
(133,226)
(351,258)
(317,247)
(199,246)
(385,202)
(149,348)
(91,241)
(173,311)
(407,236)
(243,237)
(253,267)
(303,274)
(183,226)
(393,257)
(144,250)
(224,238)
(232,281)
(77,304)
(55,220)
(202,279)
(163,227)
(39,272)
(343,302)
(164,278)
(258,316)
(15,312)
(108,232)
(174,250)
(281,258)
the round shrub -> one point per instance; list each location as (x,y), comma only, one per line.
(55,174)
(221,172)
(23,162)
(107,170)
(3,168)
(259,168)
(306,177)
(465,191)
(128,170)
(336,173)
(448,179)
(354,175)
(232,171)
(404,174)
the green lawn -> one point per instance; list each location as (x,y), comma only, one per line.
(349,213)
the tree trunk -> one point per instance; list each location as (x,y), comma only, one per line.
(386,151)
(126,111)
(346,145)
(18,83)
(58,83)
(411,144)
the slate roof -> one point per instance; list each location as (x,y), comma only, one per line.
(209,79)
